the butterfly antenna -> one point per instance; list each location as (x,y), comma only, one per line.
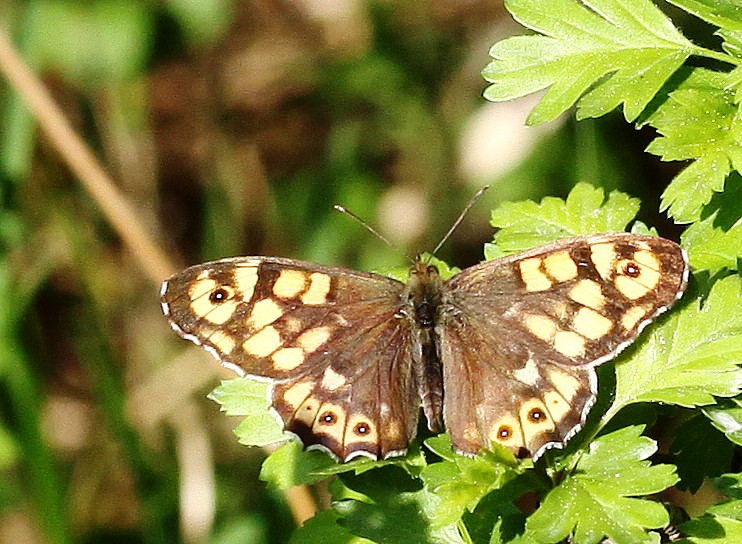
(346,211)
(472,201)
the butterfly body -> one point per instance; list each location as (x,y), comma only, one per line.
(502,352)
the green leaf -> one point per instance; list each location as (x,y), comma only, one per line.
(323,527)
(722,13)
(249,398)
(699,121)
(689,357)
(700,452)
(711,529)
(527,224)
(609,52)
(460,484)
(396,510)
(291,465)
(727,417)
(599,499)
(715,242)
(713,248)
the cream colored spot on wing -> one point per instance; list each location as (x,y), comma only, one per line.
(560,266)
(530,273)
(331,421)
(535,419)
(361,429)
(262,343)
(507,431)
(290,283)
(632,316)
(245,278)
(557,406)
(222,341)
(202,306)
(312,339)
(287,358)
(529,374)
(471,434)
(591,324)
(541,326)
(307,412)
(392,430)
(588,293)
(263,313)
(566,384)
(649,275)
(297,394)
(569,343)
(332,380)
(603,256)
(319,286)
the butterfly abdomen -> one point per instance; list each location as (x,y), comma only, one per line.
(423,301)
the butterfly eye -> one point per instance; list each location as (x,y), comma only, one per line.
(219,295)
(631,269)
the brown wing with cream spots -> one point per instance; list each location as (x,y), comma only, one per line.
(528,329)
(330,340)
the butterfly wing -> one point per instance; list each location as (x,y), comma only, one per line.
(519,337)
(329,340)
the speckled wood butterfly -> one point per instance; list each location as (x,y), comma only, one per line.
(503,352)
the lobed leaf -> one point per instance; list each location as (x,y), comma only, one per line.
(599,499)
(586,210)
(691,357)
(609,52)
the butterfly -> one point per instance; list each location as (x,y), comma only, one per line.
(504,352)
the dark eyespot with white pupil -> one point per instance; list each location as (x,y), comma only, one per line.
(536,415)
(219,295)
(504,432)
(362,428)
(631,269)
(328,418)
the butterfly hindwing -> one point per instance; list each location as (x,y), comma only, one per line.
(339,362)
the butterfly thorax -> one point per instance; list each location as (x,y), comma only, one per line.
(422,299)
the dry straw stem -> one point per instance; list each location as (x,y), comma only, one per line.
(113,204)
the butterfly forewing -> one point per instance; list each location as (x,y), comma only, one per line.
(339,360)
(530,327)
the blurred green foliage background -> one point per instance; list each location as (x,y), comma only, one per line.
(232,127)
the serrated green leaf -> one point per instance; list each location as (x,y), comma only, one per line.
(249,398)
(586,211)
(713,248)
(397,511)
(610,52)
(710,529)
(291,465)
(689,357)
(699,121)
(599,499)
(722,13)
(460,484)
